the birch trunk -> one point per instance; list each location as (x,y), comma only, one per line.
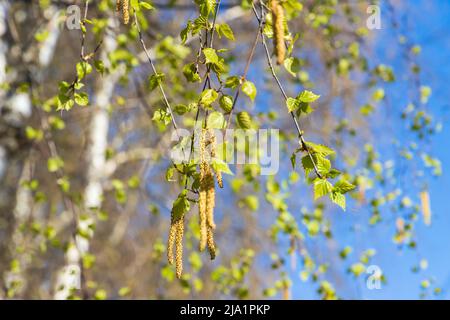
(15,278)
(69,278)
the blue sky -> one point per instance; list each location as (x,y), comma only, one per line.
(427,24)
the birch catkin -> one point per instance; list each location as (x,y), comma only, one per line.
(171,241)
(202,198)
(425,204)
(213,155)
(126,11)
(278,30)
(179,247)
(211,244)
(207,193)
(124,7)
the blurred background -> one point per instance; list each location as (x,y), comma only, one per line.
(85,190)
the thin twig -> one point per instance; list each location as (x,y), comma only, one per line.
(207,82)
(302,141)
(244,75)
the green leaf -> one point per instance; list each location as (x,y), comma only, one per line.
(184,33)
(307,96)
(322,187)
(180,206)
(215,120)
(338,198)
(81,99)
(425,93)
(249,89)
(83,69)
(190,73)
(146,5)
(99,66)
(244,120)
(221,166)
(181,109)
(323,165)
(320,149)
(224,29)
(232,82)
(292,104)
(333,173)
(292,65)
(308,164)
(155,80)
(293,159)
(343,186)
(378,94)
(211,56)
(226,103)
(54,164)
(208,97)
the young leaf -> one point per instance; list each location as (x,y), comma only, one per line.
(307,96)
(322,187)
(343,186)
(221,166)
(292,104)
(181,205)
(215,120)
(208,96)
(249,89)
(211,56)
(338,198)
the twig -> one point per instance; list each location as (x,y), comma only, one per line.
(244,75)
(302,141)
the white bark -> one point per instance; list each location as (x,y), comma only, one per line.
(21,106)
(70,277)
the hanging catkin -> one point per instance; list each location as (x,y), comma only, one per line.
(425,204)
(124,7)
(179,247)
(176,239)
(202,198)
(211,244)
(171,241)
(126,11)
(278,30)
(206,201)
(213,155)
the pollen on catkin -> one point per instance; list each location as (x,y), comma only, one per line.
(213,155)
(126,11)
(171,241)
(278,30)
(202,197)
(211,244)
(179,247)
(210,201)
(425,204)
(207,194)
(118,5)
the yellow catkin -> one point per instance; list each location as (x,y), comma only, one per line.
(426,209)
(171,241)
(179,247)
(202,198)
(213,155)
(207,192)
(210,201)
(278,30)
(211,244)
(118,5)
(126,11)
(202,218)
